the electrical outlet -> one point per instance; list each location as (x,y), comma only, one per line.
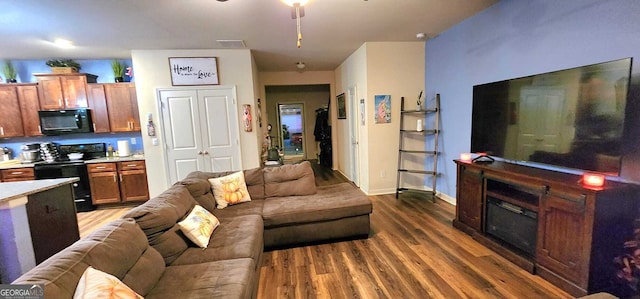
(154,141)
(133,141)
(383,173)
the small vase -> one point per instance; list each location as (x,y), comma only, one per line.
(119,79)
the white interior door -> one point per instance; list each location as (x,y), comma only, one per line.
(200,131)
(221,137)
(354,116)
(181,124)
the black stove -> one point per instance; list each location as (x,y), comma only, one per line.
(62,167)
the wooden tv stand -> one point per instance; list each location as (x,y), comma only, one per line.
(579,231)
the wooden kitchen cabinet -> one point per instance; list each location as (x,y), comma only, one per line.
(122,107)
(17,174)
(64,91)
(468,207)
(133,181)
(29,106)
(98,105)
(10,119)
(103,178)
(116,182)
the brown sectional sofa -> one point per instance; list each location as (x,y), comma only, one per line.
(147,251)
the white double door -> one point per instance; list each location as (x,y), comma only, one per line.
(200,130)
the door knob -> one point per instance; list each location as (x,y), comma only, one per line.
(206,153)
(200,153)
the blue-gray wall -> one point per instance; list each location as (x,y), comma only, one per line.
(516,38)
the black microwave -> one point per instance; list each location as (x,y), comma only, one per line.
(57,122)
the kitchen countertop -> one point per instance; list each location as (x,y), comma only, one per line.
(100,160)
(13,190)
(116,159)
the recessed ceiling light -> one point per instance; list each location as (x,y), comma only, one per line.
(63,43)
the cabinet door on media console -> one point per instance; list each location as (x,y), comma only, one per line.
(564,231)
(469,197)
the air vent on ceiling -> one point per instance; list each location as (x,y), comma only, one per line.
(231,43)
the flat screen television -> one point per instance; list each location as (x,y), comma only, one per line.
(571,118)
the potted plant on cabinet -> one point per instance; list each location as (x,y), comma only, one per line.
(63,66)
(9,71)
(118,70)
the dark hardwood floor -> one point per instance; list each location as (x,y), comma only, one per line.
(412,252)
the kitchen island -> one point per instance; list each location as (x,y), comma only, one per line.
(37,219)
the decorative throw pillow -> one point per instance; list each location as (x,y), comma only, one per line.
(230,189)
(97,284)
(199,225)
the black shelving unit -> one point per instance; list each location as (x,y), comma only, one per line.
(431,131)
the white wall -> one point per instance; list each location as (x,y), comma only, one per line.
(151,67)
(379,68)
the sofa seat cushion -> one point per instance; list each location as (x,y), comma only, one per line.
(253,207)
(329,203)
(119,248)
(238,237)
(220,279)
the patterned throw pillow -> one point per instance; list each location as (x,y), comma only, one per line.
(199,225)
(97,284)
(230,189)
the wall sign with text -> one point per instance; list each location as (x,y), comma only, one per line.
(194,71)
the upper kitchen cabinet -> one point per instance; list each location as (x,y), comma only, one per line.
(29,106)
(122,107)
(10,119)
(98,105)
(61,91)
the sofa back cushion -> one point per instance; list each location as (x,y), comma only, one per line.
(252,177)
(200,189)
(158,218)
(119,248)
(289,180)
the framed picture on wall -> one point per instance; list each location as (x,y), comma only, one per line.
(193,71)
(342,107)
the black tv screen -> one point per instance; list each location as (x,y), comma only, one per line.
(571,118)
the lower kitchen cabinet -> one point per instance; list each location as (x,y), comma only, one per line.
(116,182)
(17,174)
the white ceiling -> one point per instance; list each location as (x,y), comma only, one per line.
(331,29)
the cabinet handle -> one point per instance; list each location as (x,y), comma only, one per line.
(2,131)
(17,172)
(66,102)
(101,167)
(121,177)
(132,165)
(60,102)
(115,178)
(206,153)
(94,127)
(200,153)
(39,128)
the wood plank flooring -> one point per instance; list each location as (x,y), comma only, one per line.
(412,252)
